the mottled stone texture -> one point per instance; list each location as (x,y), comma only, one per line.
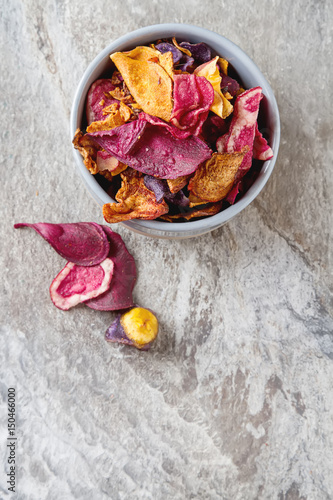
(235,399)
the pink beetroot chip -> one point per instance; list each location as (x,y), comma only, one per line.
(242,128)
(261,150)
(83,243)
(193,96)
(98,99)
(154,120)
(153,150)
(119,295)
(75,284)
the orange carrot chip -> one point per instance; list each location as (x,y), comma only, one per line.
(214,179)
(147,81)
(210,209)
(177,184)
(135,201)
(88,150)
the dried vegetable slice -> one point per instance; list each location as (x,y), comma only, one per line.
(199,51)
(88,149)
(148,82)
(164,47)
(105,161)
(261,150)
(175,131)
(135,201)
(75,284)
(208,210)
(137,327)
(98,98)
(186,63)
(153,150)
(214,179)
(193,97)
(210,70)
(242,128)
(229,85)
(116,114)
(82,243)
(119,294)
(177,184)
(161,190)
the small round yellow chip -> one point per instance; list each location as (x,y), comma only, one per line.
(140,325)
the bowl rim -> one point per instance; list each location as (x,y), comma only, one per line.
(205,224)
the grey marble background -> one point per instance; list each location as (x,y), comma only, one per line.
(235,399)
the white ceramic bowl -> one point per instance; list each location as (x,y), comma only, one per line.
(249,74)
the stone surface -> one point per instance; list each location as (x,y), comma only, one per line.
(235,399)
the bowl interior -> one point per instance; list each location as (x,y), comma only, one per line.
(250,76)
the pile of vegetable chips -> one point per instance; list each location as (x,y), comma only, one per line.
(172,133)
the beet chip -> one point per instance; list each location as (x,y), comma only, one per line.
(193,96)
(136,201)
(98,98)
(153,150)
(82,243)
(261,150)
(214,179)
(175,131)
(242,128)
(75,284)
(119,294)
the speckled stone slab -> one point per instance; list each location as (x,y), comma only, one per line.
(234,401)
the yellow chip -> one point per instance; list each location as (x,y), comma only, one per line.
(221,106)
(148,82)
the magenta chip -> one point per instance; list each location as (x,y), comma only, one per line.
(119,295)
(83,243)
(153,150)
(242,128)
(75,284)
(193,96)
(98,98)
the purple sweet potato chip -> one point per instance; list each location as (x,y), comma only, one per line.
(119,295)
(169,47)
(161,190)
(154,151)
(97,99)
(158,186)
(193,96)
(200,51)
(83,243)
(242,128)
(228,84)
(75,284)
(261,150)
(185,63)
